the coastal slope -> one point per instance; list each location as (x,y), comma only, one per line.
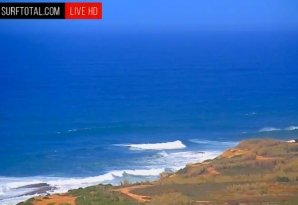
(255,172)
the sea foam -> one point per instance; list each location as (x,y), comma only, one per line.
(167,161)
(11,191)
(176,160)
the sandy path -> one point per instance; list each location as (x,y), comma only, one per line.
(211,170)
(258,157)
(232,153)
(56,199)
(127,191)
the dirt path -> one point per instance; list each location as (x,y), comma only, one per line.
(232,153)
(197,164)
(127,191)
(261,158)
(56,199)
(212,171)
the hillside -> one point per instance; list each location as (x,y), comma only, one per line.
(255,172)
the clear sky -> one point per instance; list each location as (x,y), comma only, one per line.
(127,15)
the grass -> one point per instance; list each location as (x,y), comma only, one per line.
(99,195)
(46,197)
(249,189)
(259,164)
(28,202)
(170,199)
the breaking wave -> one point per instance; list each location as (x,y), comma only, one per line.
(210,142)
(156,146)
(173,161)
(292,128)
(268,129)
(14,190)
(162,154)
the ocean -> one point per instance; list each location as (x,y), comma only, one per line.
(79,110)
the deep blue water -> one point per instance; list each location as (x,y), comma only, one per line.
(69,103)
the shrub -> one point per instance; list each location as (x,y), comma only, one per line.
(25,203)
(254,188)
(98,195)
(208,160)
(282,179)
(170,199)
(126,182)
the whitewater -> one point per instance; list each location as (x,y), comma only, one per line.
(167,158)
(156,146)
(77,113)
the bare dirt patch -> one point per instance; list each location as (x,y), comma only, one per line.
(232,153)
(262,158)
(57,199)
(127,191)
(212,171)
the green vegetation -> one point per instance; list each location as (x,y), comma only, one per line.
(254,172)
(28,202)
(282,179)
(25,203)
(46,197)
(100,195)
(170,199)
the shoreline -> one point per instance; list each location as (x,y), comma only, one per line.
(42,189)
(129,189)
(46,186)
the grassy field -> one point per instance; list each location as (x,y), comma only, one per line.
(255,172)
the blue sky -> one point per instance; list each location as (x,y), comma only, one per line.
(129,15)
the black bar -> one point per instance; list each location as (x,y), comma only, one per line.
(32,10)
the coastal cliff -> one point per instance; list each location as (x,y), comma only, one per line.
(255,172)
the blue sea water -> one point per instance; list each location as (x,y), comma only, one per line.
(78,110)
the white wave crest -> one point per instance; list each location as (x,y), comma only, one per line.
(251,113)
(210,142)
(11,191)
(156,146)
(268,129)
(177,160)
(166,161)
(162,154)
(81,129)
(292,128)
